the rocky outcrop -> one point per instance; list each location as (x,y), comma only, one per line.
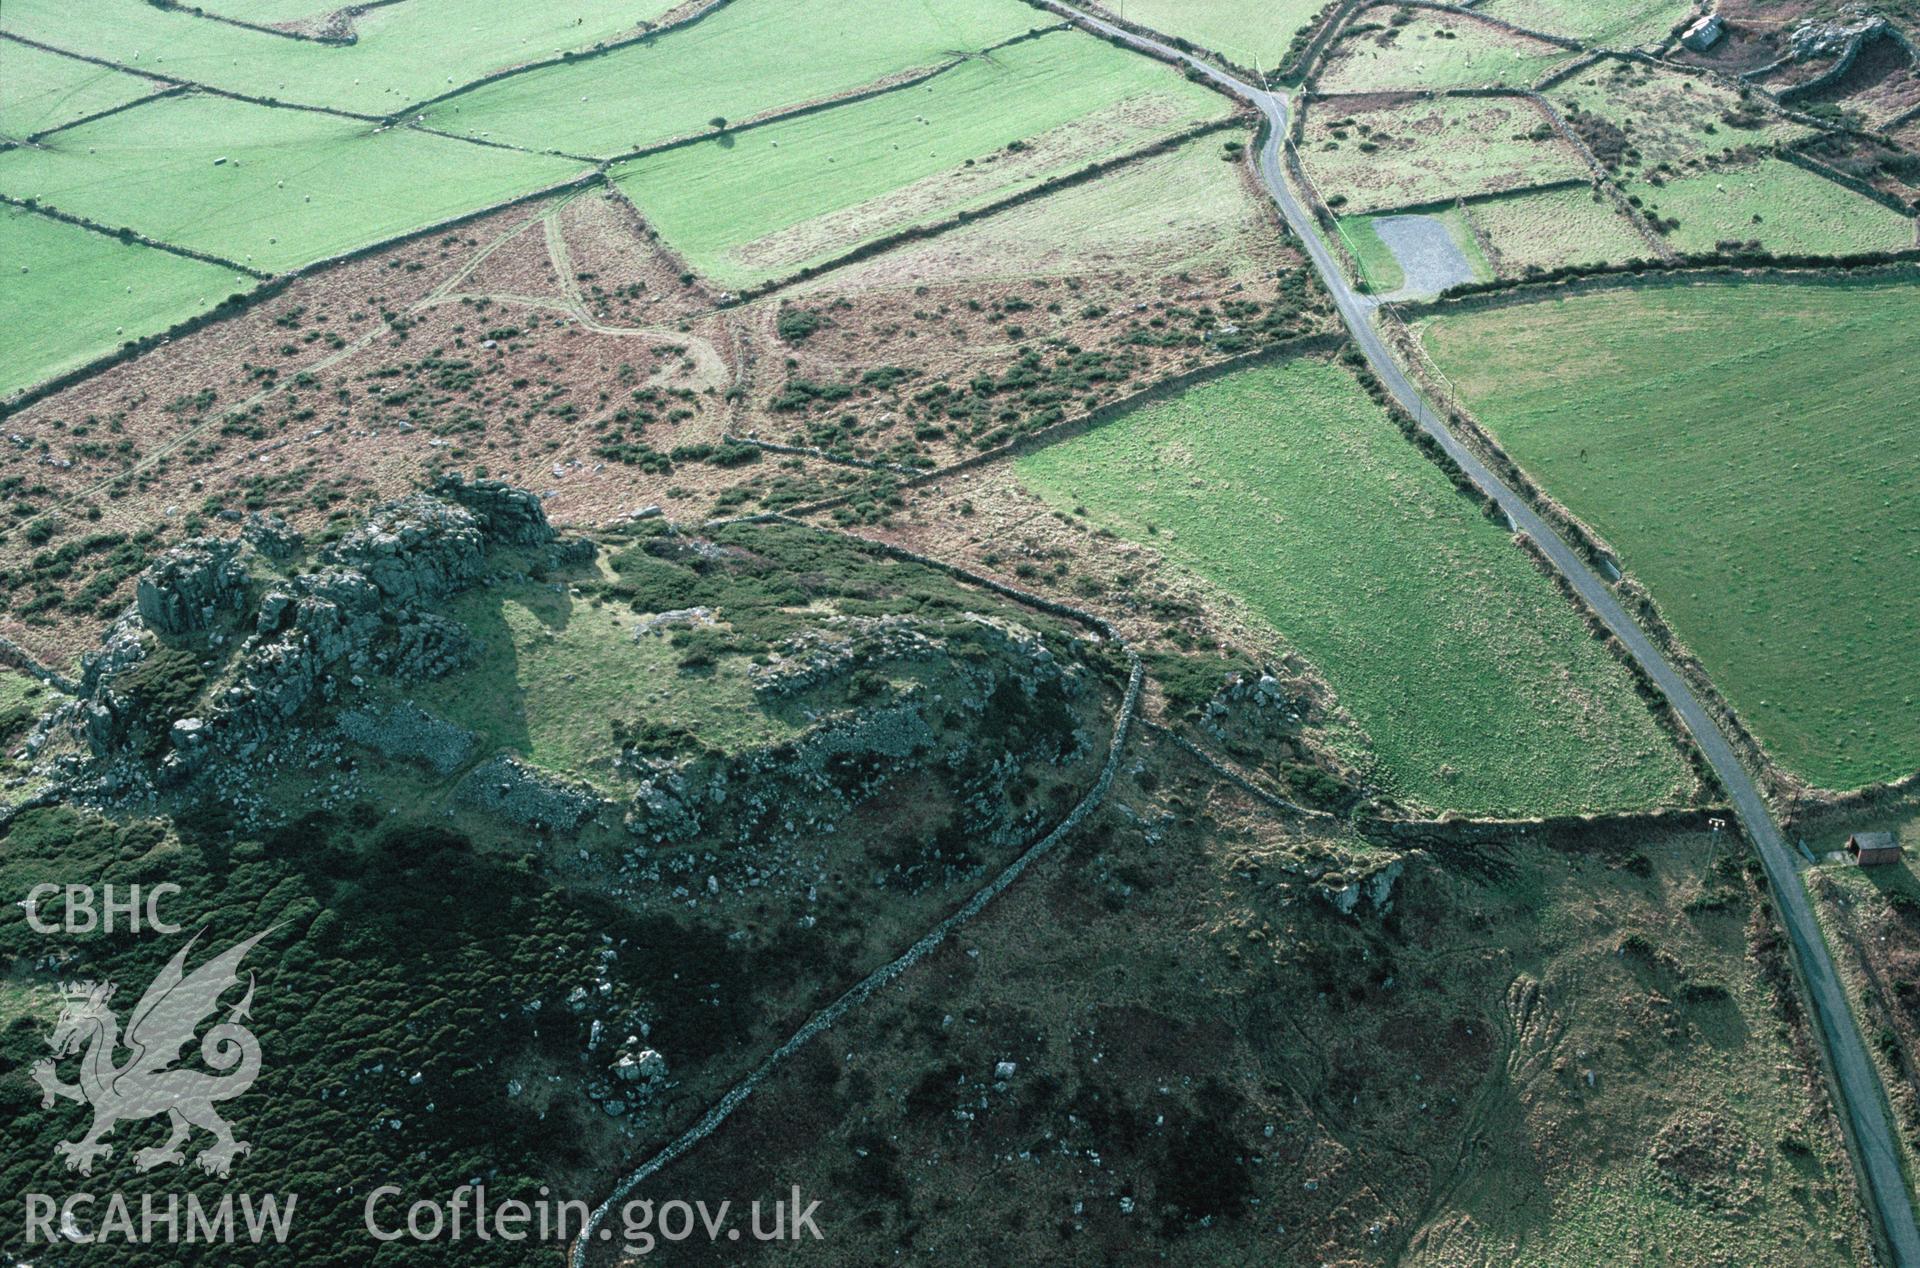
(999,671)
(307,679)
(102,713)
(418,548)
(841,646)
(639,1075)
(1817,38)
(1839,43)
(270,535)
(847,643)
(639,1064)
(1371,891)
(435,542)
(189,587)
(123,647)
(310,636)
(1241,693)
(507,516)
(426,645)
(831,767)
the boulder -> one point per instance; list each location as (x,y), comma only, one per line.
(640,1065)
(273,611)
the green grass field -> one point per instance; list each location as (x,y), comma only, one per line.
(556,671)
(743,61)
(1599,23)
(405,53)
(1253,33)
(1285,486)
(19,693)
(743,208)
(44,90)
(1423,151)
(1181,210)
(296,186)
(269,12)
(1436,51)
(1752,452)
(1556,227)
(1670,116)
(1380,271)
(1788,209)
(69,295)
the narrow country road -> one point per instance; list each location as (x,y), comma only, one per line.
(1855,1084)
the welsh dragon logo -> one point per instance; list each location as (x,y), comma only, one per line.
(146,1084)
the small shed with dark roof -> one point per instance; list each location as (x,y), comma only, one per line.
(1870,849)
(1704,34)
